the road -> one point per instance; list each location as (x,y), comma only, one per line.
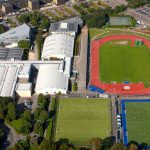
(13,137)
(82,82)
(114,3)
(113,117)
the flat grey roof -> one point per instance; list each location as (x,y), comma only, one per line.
(15,34)
(6,4)
(72,25)
(11,53)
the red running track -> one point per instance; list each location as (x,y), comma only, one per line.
(118,88)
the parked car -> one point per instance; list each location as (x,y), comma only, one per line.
(28,104)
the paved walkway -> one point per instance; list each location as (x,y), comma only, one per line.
(13,136)
(83,60)
(113,117)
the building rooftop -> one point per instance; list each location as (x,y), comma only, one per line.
(24,70)
(6,4)
(49,76)
(16,34)
(8,79)
(34,1)
(68,25)
(11,53)
(23,86)
(58,45)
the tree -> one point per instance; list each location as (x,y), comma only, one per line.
(45,23)
(26,126)
(43,116)
(2,29)
(41,98)
(25,44)
(133,147)
(34,20)
(74,87)
(47,145)
(3,106)
(39,128)
(2,115)
(1,135)
(42,102)
(37,114)
(11,113)
(96,19)
(27,115)
(96,144)
(17,146)
(23,18)
(118,146)
(63,147)
(39,41)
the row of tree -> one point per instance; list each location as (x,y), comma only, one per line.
(99,17)
(36,19)
(7,109)
(39,42)
(63,144)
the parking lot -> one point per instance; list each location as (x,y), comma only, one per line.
(144,11)
(61,12)
(139,16)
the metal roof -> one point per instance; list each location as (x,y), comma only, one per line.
(16,34)
(8,79)
(58,45)
(49,76)
(11,53)
(72,25)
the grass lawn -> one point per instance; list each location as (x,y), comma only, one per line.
(79,120)
(138,121)
(100,33)
(124,63)
(17,124)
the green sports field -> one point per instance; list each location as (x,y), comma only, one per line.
(79,120)
(121,62)
(138,121)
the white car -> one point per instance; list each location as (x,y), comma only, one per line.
(118,116)
(118,120)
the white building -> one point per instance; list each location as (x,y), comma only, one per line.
(24,89)
(58,46)
(10,74)
(24,71)
(51,79)
(8,79)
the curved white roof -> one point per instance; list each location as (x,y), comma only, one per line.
(58,45)
(50,77)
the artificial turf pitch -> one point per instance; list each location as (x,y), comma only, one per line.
(138,121)
(79,120)
(121,63)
